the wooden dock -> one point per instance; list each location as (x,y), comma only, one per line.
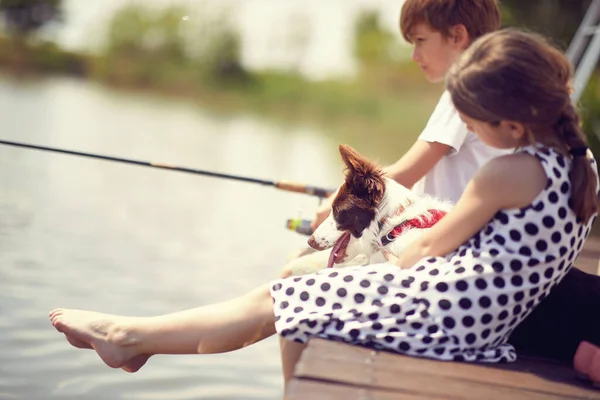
(331,370)
(335,371)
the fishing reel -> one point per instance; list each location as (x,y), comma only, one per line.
(299,225)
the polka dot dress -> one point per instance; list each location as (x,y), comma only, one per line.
(460,307)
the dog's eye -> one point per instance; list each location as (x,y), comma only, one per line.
(361,221)
(341,226)
(339,216)
(342,220)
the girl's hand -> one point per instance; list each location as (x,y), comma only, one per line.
(392,259)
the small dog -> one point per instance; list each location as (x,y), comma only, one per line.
(369,213)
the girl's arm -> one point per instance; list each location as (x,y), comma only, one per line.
(505,182)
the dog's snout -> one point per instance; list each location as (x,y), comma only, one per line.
(312,242)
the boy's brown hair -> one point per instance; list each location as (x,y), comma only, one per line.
(478,16)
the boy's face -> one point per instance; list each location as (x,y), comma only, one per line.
(433,52)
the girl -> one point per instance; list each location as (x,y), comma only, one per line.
(463,287)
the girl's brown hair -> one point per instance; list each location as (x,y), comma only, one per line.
(518,76)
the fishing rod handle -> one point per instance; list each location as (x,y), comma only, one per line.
(299,225)
(302,188)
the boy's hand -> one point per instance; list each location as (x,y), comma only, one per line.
(322,213)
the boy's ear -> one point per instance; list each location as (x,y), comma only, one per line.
(460,36)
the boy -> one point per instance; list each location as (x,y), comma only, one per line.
(445,156)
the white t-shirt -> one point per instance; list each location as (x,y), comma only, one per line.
(449,177)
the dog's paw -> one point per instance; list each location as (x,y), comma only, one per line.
(307,263)
(361,259)
(314,262)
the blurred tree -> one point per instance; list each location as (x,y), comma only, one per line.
(382,57)
(23,17)
(169,47)
(139,31)
(372,44)
(556,19)
(214,43)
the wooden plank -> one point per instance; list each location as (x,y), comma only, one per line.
(427,385)
(513,373)
(337,362)
(303,389)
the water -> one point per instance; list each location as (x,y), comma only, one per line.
(130,240)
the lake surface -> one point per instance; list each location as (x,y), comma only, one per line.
(130,240)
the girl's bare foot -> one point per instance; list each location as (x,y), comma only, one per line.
(109,335)
(135,363)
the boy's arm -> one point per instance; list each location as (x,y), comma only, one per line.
(407,171)
(417,162)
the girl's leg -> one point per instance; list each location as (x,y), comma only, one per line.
(128,342)
(290,354)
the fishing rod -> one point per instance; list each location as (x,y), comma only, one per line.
(283,185)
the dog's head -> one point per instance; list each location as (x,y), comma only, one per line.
(353,219)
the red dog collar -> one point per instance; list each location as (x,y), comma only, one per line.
(420,222)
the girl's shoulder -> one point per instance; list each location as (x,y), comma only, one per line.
(516,179)
(532,159)
(507,165)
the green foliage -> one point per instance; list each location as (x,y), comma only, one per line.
(22,17)
(590,111)
(215,46)
(372,44)
(47,56)
(152,35)
(556,19)
(221,60)
(148,45)
(348,108)
(39,56)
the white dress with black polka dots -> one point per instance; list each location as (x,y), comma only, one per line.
(460,307)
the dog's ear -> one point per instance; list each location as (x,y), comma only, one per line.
(363,177)
(353,161)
